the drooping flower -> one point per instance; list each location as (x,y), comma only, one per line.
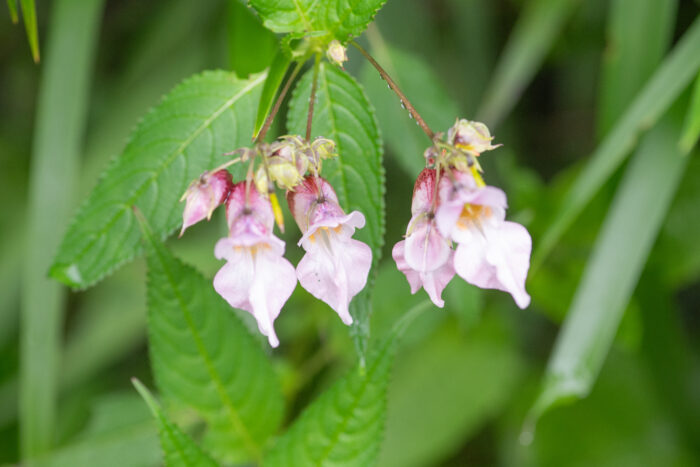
(335,266)
(256,277)
(471,136)
(425,256)
(203,196)
(492,253)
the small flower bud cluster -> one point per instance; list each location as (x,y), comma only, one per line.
(453,207)
(256,277)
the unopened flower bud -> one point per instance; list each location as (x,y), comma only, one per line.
(261,181)
(203,196)
(471,136)
(337,53)
(284,173)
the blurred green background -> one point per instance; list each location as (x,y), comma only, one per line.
(552,78)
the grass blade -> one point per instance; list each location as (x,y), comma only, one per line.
(691,126)
(29,15)
(669,80)
(12,6)
(61,118)
(626,66)
(533,36)
(628,233)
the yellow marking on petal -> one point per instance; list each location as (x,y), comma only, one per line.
(477,177)
(277,211)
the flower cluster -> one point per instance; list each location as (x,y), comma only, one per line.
(256,277)
(453,206)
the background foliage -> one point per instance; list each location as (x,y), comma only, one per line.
(572,89)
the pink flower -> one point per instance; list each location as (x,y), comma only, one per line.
(335,266)
(256,278)
(425,256)
(492,253)
(204,195)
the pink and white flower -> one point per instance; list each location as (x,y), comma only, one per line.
(492,253)
(335,266)
(425,256)
(203,196)
(256,277)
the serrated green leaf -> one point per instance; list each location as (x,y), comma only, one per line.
(179,449)
(342,19)
(346,19)
(183,136)
(29,15)
(670,79)
(344,425)
(203,357)
(287,15)
(344,114)
(12,6)
(620,253)
(275,74)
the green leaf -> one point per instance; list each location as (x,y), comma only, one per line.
(183,136)
(669,80)
(12,6)
(342,19)
(179,449)
(287,15)
(533,36)
(29,15)
(626,66)
(120,432)
(476,372)
(346,19)
(61,119)
(244,29)
(275,74)
(344,425)
(619,255)
(691,126)
(405,139)
(203,357)
(344,115)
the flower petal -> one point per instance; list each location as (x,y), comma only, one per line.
(334,269)
(426,249)
(498,259)
(433,282)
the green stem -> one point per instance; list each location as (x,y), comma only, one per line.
(278,103)
(312,98)
(402,97)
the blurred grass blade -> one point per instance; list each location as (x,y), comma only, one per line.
(532,38)
(669,80)
(691,127)
(12,6)
(278,68)
(61,118)
(29,15)
(178,448)
(626,65)
(619,255)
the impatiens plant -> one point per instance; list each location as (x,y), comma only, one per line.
(207,145)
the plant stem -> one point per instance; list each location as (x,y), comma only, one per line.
(278,103)
(312,98)
(404,100)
